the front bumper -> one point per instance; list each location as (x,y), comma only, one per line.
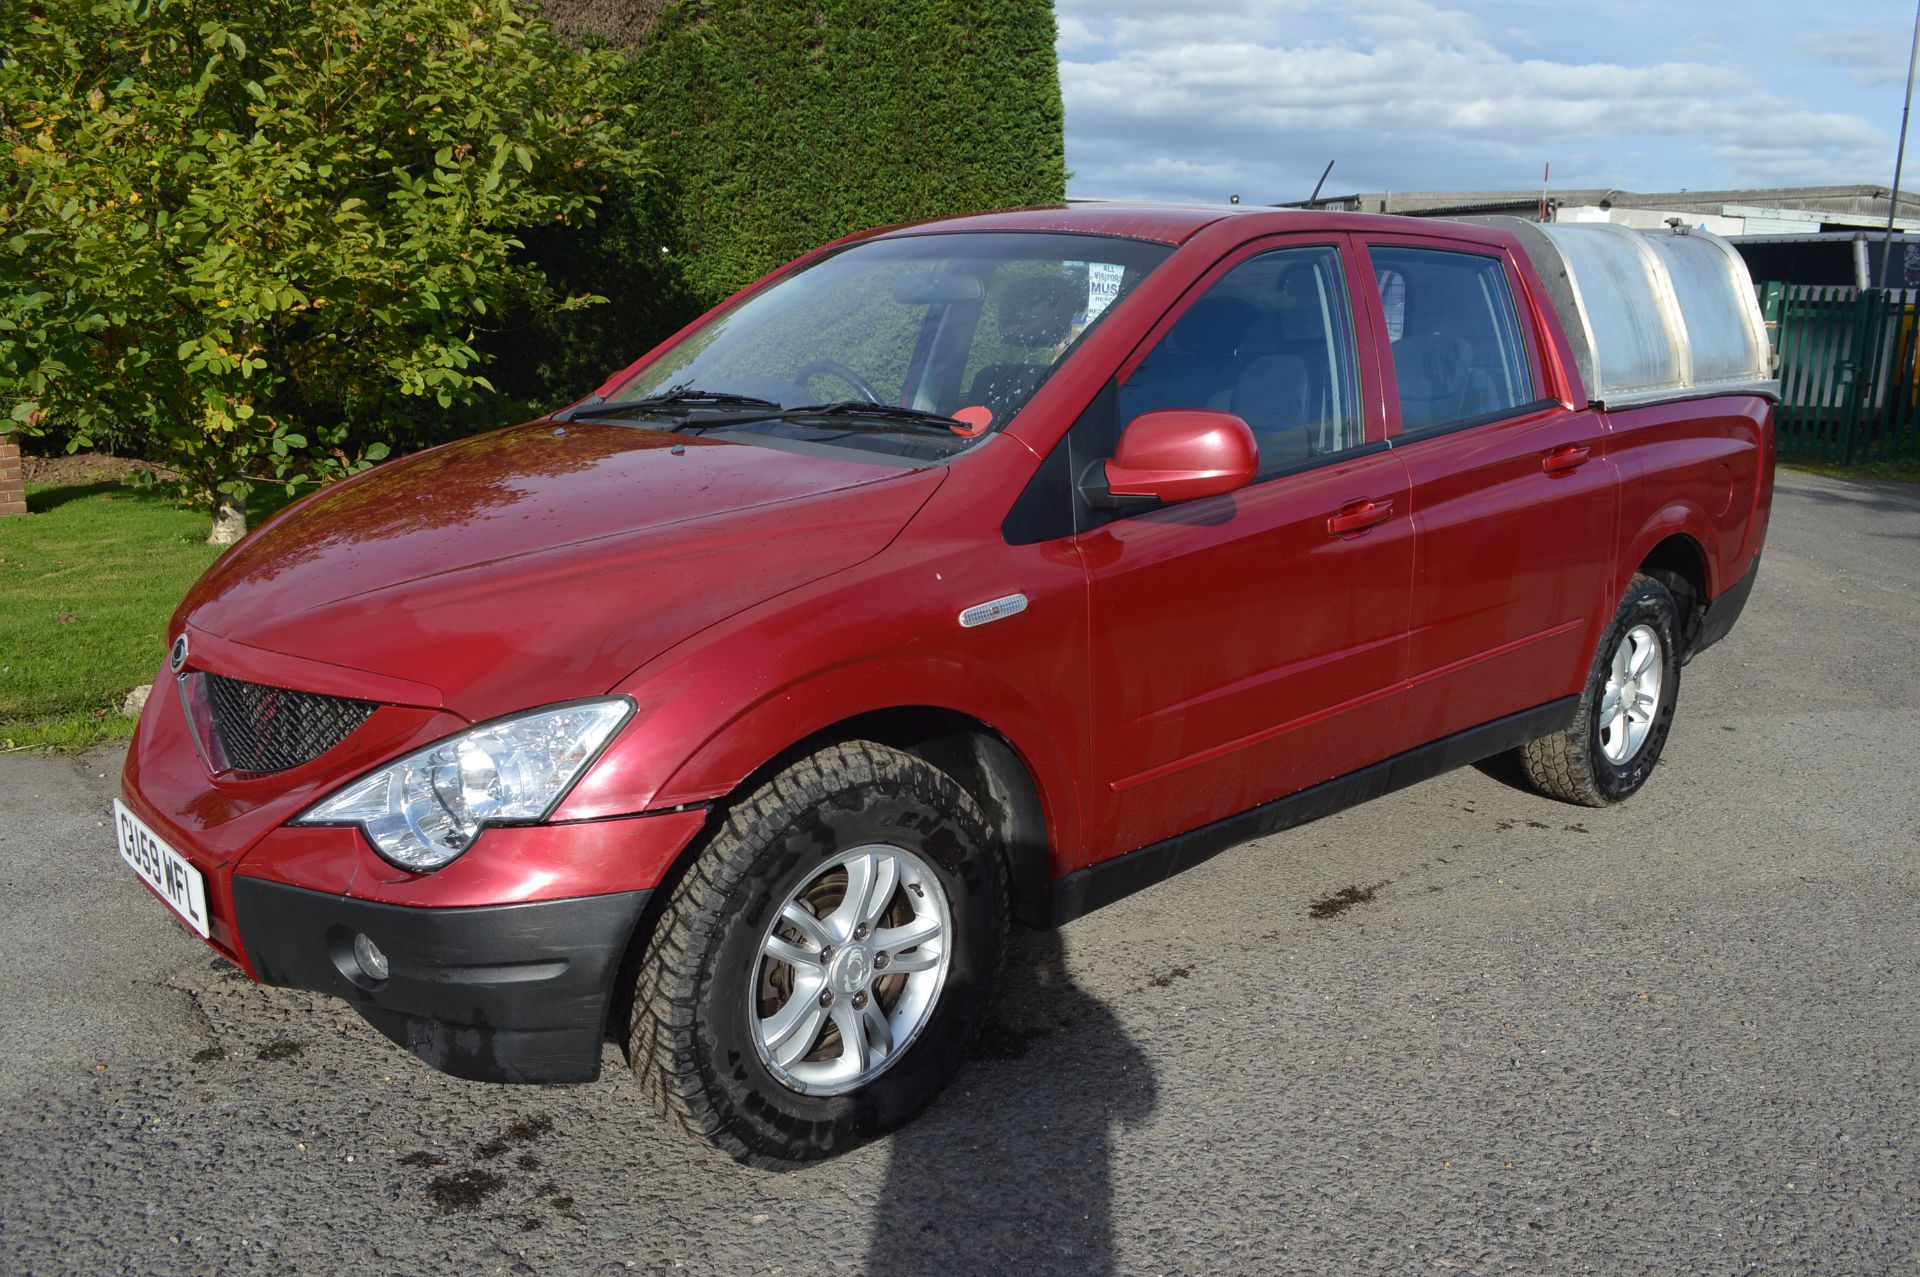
(502,963)
(496,993)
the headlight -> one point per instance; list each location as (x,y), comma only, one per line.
(428,807)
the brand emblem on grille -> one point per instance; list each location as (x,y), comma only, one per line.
(178,656)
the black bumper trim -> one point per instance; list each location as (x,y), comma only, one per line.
(1095,887)
(1724,611)
(500,993)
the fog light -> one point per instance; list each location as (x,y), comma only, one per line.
(371,960)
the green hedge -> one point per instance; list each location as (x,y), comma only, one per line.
(777,126)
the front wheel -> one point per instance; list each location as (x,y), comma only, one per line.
(820,969)
(1620,727)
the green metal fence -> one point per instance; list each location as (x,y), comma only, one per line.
(1849,387)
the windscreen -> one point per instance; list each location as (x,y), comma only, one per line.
(962,328)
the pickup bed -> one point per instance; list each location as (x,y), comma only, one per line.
(958,574)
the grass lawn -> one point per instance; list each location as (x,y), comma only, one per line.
(87,582)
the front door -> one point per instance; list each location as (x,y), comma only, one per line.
(1247,646)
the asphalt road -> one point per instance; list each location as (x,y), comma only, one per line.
(1678,1036)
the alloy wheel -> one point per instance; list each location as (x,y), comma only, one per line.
(1632,696)
(850,969)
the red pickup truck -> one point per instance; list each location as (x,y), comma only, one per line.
(971,572)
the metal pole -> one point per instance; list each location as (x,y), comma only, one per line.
(1893,209)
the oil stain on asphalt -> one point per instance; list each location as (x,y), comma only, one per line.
(460,1192)
(463,1190)
(1344,899)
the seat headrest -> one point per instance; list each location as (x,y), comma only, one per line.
(1432,364)
(1299,312)
(1040,310)
(1213,326)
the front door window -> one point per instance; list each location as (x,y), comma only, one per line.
(1272,343)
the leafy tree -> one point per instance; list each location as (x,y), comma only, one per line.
(780,126)
(265,230)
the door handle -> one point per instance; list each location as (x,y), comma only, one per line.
(1565,459)
(1358,516)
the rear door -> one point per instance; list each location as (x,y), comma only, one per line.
(1512,493)
(1244,647)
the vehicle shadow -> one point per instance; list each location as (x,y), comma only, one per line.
(1011,1171)
(1505,768)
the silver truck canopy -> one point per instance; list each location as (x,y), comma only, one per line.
(1652,315)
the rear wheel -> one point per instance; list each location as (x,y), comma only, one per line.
(819,971)
(1620,727)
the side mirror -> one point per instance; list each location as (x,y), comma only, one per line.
(1175,454)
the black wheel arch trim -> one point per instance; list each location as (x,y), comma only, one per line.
(1721,614)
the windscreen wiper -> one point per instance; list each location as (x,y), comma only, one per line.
(867,408)
(686,397)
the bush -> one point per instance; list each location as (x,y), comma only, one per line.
(267,231)
(778,127)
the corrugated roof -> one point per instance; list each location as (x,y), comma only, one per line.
(1851,201)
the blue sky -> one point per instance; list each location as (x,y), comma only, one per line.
(1201,99)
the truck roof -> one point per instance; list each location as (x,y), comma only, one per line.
(1177,223)
(1652,315)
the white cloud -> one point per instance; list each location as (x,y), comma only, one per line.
(1852,47)
(1864,53)
(1075,34)
(1389,21)
(1253,96)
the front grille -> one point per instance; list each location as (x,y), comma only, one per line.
(269,729)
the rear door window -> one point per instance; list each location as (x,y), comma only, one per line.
(1458,352)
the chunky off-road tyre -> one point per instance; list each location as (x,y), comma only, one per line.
(821,967)
(1621,725)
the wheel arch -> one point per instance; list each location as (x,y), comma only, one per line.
(1028,800)
(982,761)
(979,758)
(1679,562)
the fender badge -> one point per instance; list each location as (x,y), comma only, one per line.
(178,656)
(994,610)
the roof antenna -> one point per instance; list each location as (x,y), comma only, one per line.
(1313,200)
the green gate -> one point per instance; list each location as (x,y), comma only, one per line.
(1848,385)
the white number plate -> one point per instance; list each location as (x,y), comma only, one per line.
(162,868)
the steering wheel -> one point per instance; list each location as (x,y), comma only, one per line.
(834,368)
